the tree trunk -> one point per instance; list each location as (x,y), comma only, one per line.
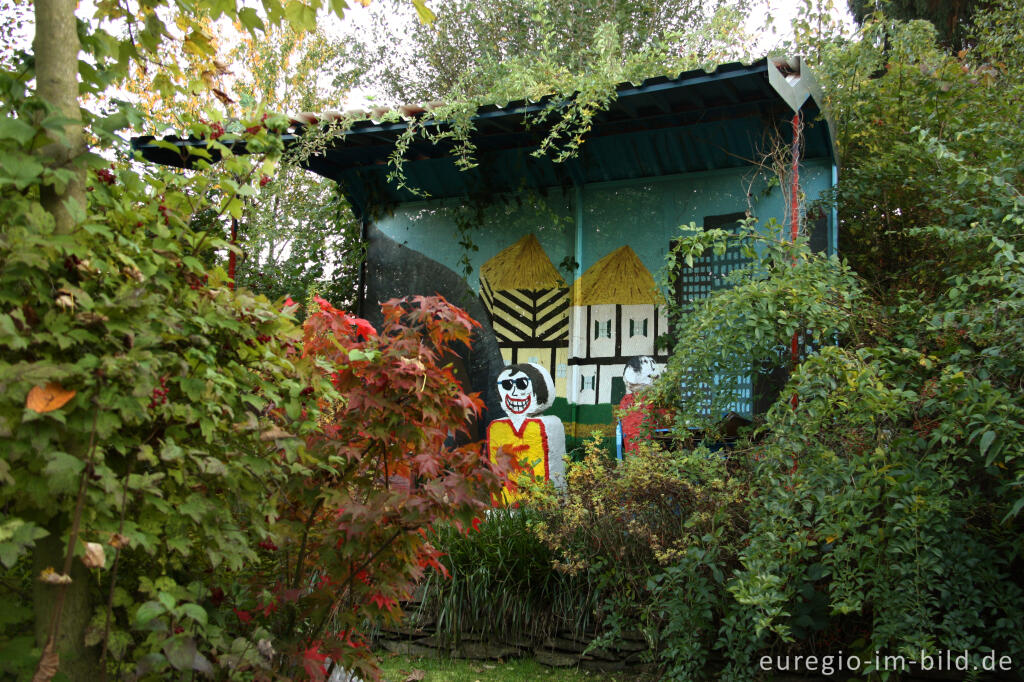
(56,49)
(77,661)
(56,52)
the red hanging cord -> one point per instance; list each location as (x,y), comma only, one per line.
(794,205)
(794,228)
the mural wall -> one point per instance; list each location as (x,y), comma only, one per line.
(566,280)
(617,313)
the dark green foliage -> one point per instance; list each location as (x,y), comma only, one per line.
(888,475)
(300,239)
(952,18)
(507,49)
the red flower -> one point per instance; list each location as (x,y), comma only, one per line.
(243,616)
(216,596)
(476,524)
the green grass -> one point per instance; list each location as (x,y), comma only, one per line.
(399,668)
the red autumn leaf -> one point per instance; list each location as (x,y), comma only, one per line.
(383,603)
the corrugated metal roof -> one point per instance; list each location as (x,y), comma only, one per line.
(695,122)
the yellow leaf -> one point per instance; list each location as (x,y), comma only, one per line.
(52,577)
(48,398)
(426,15)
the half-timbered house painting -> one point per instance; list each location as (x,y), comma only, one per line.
(617,312)
(527,302)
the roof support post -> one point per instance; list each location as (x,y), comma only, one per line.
(364,231)
(578,257)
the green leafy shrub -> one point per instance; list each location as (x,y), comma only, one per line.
(655,534)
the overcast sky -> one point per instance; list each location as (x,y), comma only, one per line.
(769,34)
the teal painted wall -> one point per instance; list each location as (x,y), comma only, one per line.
(432,229)
(645,215)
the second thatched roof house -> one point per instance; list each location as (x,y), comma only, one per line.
(616,313)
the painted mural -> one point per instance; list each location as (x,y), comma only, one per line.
(637,420)
(536,440)
(591,337)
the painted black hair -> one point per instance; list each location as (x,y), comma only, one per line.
(634,363)
(540,387)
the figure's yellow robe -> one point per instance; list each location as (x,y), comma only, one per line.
(529,445)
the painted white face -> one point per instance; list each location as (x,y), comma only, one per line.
(640,371)
(517,393)
(520,397)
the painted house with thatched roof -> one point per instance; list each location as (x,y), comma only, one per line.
(527,304)
(616,313)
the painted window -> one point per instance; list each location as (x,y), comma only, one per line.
(561,370)
(588,382)
(638,327)
(603,329)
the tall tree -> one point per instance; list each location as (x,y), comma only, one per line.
(297,233)
(483,48)
(952,18)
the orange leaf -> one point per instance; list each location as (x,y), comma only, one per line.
(48,398)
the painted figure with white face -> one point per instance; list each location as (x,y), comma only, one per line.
(635,416)
(640,371)
(537,441)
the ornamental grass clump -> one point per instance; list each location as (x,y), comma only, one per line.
(499,583)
